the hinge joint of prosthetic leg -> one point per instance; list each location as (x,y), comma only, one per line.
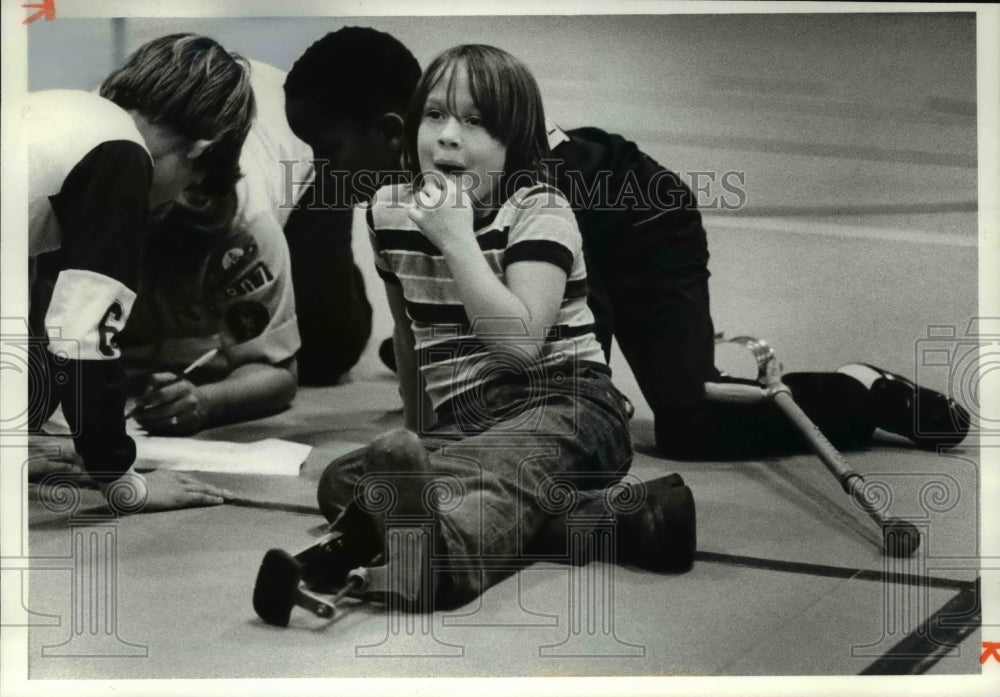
(404,581)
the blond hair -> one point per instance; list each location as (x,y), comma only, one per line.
(192,85)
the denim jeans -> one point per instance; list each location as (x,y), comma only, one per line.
(536,451)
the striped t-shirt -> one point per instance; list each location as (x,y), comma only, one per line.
(535,224)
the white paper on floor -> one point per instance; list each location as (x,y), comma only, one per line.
(268,456)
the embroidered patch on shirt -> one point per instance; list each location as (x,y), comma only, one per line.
(231,257)
(255,278)
(229,262)
(247,320)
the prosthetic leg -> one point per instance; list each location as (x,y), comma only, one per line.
(354,558)
(378,549)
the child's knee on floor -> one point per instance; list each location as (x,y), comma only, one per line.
(337,484)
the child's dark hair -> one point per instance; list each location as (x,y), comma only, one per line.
(194,86)
(355,73)
(509,102)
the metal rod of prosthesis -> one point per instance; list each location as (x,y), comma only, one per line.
(315,604)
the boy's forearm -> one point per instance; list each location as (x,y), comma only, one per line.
(251,390)
(486,297)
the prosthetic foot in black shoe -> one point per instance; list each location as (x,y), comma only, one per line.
(926,417)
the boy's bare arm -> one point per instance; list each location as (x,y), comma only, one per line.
(540,286)
(416,406)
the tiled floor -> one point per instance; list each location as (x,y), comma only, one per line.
(789,580)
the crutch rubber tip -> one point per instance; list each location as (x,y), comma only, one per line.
(899,538)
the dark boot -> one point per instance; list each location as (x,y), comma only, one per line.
(655,525)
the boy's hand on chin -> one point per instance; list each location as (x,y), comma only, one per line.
(442,210)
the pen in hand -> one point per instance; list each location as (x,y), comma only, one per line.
(201,360)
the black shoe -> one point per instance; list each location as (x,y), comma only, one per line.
(387,354)
(928,418)
(645,534)
(662,534)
